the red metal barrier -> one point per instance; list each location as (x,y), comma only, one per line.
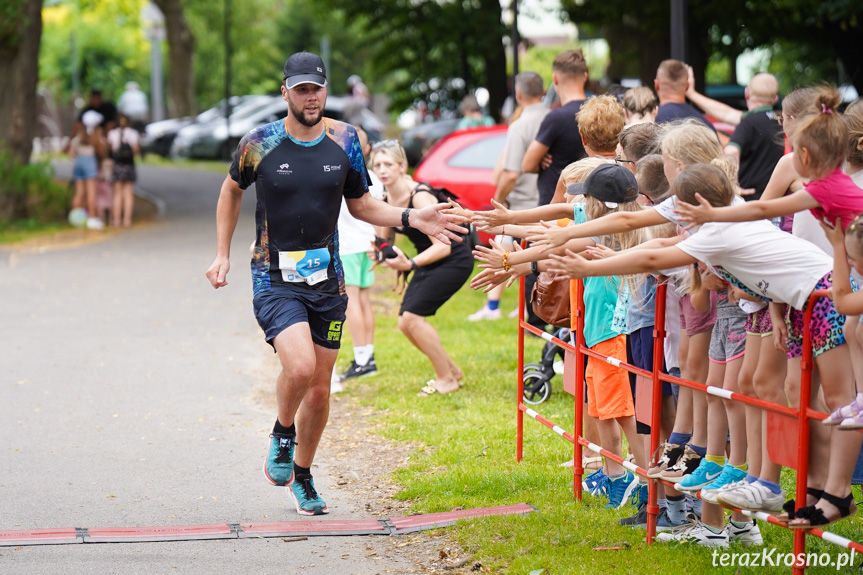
(802,415)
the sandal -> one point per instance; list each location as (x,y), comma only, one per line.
(811,516)
(790,508)
(845,412)
(428,389)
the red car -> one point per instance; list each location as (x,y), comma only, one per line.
(463,162)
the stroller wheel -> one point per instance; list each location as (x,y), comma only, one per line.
(537,387)
(529,367)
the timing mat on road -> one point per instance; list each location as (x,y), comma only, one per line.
(323,527)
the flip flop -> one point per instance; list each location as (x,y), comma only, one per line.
(428,389)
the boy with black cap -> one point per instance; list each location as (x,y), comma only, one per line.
(302,166)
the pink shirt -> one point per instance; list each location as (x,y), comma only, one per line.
(838,196)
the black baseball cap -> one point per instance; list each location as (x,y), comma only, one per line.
(609,183)
(305,68)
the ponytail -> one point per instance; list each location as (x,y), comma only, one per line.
(823,134)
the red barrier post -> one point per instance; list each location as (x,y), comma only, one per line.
(519,437)
(656,415)
(578,315)
(803,422)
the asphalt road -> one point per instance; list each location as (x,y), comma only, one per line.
(127,399)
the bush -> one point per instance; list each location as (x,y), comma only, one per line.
(30,191)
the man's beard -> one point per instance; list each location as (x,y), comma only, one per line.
(300,116)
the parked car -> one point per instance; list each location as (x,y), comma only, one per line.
(209,140)
(417,141)
(159,136)
(212,140)
(463,162)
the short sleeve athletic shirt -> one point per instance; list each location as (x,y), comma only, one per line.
(299,188)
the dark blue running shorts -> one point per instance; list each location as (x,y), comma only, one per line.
(278,308)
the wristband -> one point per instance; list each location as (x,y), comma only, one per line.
(413,264)
(406,218)
(506,266)
(534,268)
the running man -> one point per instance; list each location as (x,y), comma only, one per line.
(303,165)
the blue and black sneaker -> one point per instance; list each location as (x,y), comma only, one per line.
(279,465)
(596,483)
(308,501)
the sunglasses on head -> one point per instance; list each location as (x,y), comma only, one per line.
(385,144)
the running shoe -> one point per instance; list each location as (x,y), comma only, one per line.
(639,495)
(687,464)
(637,520)
(696,533)
(666,456)
(620,489)
(707,472)
(845,412)
(306,498)
(754,497)
(664,523)
(747,534)
(484,313)
(279,465)
(596,483)
(357,370)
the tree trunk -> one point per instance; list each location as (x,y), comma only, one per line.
(181,49)
(495,56)
(19,76)
(846,42)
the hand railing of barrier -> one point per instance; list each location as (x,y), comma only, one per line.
(803,414)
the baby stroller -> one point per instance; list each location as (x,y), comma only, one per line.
(537,376)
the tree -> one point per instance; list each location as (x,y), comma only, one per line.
(640,37)
(20,35)
(181,52)
(424,39)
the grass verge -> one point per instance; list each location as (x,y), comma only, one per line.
(468,459)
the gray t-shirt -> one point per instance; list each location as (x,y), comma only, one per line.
(519,136)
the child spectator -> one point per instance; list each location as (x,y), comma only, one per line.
(759,258)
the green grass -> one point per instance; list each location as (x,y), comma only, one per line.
(21,230)
(467,458)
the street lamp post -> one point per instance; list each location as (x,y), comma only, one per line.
(154,30)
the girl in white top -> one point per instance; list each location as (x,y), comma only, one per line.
(768,263)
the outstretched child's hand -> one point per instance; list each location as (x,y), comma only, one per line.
(552,236)
(490,258)
(835,233)
(599,251)
(572,264)
(456,210)
(499,216)
(695,215)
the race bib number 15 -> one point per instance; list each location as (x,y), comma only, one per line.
(309,266)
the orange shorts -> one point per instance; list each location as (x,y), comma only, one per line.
(608,392)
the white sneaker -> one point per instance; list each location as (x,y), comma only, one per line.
(711,495)
(753,496)
(484,313)
(697,533)
(336,387)
(95,224)
(514,313)
(747,535)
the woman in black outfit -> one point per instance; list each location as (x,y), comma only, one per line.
(439,270)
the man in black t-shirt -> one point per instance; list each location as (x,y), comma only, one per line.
(757,142)
(558,142)
(302,166)
(106,109)
(671,83)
